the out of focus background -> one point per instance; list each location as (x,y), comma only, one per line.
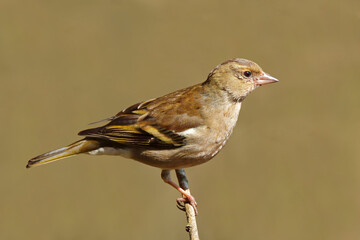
(289,171)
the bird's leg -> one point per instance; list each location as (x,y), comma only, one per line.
(181,176)
(184,184)
(165,175)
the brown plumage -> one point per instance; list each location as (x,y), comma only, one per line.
(181,129)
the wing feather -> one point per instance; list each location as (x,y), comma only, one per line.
(156,123)
(131,127)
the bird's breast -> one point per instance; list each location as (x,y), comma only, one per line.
(204,142)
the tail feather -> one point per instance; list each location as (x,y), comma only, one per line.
(82,146)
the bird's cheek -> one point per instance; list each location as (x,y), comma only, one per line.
(244,89)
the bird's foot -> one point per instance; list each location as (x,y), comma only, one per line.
(187,199)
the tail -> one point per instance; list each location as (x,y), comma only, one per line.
(82,146)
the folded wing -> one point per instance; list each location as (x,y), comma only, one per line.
(136,128)
(157,123)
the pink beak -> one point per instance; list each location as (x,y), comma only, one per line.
(265,79)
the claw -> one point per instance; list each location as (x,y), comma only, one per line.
(188,199)
(180,205)
(180,202)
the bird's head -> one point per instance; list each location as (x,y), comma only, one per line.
(239,77)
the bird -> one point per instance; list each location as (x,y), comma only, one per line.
(179,130)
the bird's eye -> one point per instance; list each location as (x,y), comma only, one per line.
(247,73)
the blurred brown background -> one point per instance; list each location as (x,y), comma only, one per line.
(290,170)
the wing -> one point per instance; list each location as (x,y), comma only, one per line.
(156,123)
(134,127)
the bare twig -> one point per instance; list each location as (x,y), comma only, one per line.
(191,226)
